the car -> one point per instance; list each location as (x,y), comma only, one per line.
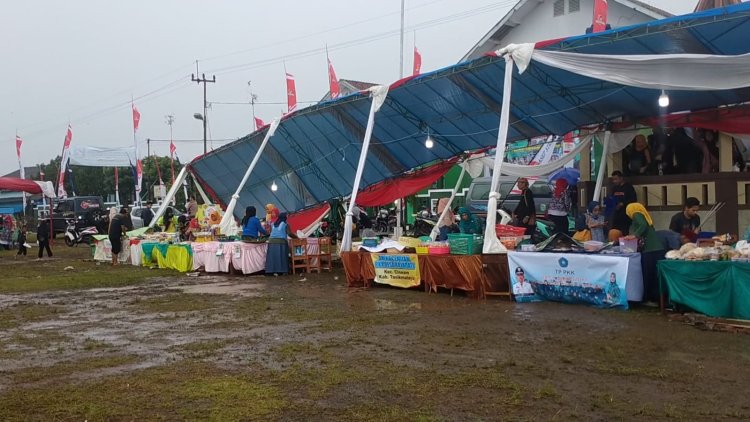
(137,212)
(479,193)
(76,208)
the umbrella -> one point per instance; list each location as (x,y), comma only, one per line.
(570,174)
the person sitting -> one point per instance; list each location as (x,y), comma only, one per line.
(251,227)
(687,222)
(468,224)
(448,223)
(277,255)
(168,221)
(595,222)
(638,156)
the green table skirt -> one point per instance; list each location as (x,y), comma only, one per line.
(715,288)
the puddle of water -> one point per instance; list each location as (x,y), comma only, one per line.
(245,289)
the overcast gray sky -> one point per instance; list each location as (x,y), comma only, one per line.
(80,61)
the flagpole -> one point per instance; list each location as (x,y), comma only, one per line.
(401,52)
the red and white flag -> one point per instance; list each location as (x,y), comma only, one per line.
(139,166)
(136,118)
(259,123)
(600,16)
(291,93)
(417,62)
(19,142)
(21,170)
(172,150)
(64,164)
(333,82)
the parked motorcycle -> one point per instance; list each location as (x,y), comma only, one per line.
(79,232)
(385,222)
(424,222)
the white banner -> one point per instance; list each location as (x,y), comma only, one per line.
(597,280)
(83,155)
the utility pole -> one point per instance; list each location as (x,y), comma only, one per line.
(253,99)
(202,79)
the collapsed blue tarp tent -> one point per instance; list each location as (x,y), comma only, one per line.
(313,155)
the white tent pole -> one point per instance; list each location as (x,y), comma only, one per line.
(436,229)
(172,192)
(206,199)
(227,221)
(602,167)
(378,94)
(491,242)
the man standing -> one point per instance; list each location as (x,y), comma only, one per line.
(147,215)
(687,222)
(525,212)
(624,195)
(120,223)
(42,236)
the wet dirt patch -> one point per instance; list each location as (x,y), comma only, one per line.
(225,288)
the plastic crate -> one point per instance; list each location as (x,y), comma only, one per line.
(503,230)
(422,250)
(370,242)
(465,244)
(439,250)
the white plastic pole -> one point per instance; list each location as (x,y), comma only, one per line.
(172,192)
(436,229)
(227,221)
(491,242)
(378,94)
(602,167)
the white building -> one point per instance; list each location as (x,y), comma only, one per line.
(540,20)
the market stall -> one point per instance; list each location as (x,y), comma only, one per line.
(225,257)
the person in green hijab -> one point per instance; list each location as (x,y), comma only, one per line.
(469,224)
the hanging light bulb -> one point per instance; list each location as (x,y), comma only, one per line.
(274,187)
(429,143)
(663,99)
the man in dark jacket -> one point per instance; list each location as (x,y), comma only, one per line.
(120,223)
(147,214)
(42,236)
(624,195)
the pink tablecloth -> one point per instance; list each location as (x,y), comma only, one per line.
(246,257)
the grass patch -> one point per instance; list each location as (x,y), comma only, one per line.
(181,391)
(200,349)
(63,369)
(22,313)
(39,339)
(25,275)
(90,344)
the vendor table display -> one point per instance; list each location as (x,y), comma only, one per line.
(714,288)
(463,272)
(103,249)
(221,256)
(598,279)
(178,256)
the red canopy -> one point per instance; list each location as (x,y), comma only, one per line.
(303,219)
(19,185)
(405,185)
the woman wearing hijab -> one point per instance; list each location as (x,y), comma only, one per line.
(277,256)
(168,222)
(469,224)
(559,206)
(251,227)
(642,227)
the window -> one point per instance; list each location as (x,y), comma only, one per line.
(559,8)
(574,6)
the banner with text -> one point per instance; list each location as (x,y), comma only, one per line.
(572,278)
(396,270)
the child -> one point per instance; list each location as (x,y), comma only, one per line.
(22,241)
(595,222)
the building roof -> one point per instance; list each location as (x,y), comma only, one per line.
(515,16)
(30,172)
(349,86)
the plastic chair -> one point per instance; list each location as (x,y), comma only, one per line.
(300,257)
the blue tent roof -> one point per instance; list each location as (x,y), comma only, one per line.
(313,155)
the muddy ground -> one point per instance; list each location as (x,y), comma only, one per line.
(163,346)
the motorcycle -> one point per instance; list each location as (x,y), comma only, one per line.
(79,232)
(385,222)
(424,222)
